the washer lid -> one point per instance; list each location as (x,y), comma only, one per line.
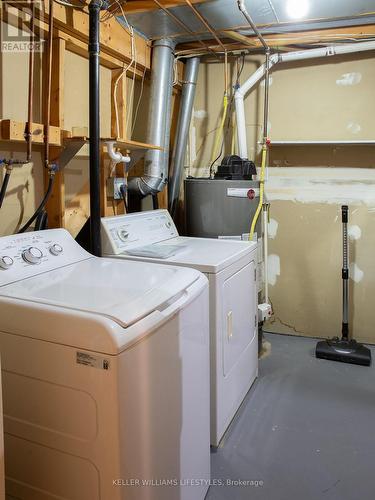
(124,291)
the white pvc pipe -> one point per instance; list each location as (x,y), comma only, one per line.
(116,156)
(256,76)
(241,125)
(282,58)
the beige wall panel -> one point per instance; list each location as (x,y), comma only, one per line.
(330,101)
(25,188)
(76,94)
(306,296)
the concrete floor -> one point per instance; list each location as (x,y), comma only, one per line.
(306,430)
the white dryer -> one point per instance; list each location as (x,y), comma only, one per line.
(231,270)
(105,374)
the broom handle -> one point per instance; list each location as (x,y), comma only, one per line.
(345,274)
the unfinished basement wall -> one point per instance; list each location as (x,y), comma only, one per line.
(26,186)
(333,100)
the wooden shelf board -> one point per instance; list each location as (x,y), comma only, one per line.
(130,144)
(120,143)
(324,143)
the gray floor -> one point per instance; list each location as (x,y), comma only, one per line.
(306,430)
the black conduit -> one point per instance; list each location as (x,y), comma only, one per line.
(4,187)
(123,192)
(155,202)
(40,209)
(41,222)
(94,48)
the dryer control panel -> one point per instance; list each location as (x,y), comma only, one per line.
(28,254)
(127,232)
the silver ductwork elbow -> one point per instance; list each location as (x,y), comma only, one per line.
(156,162)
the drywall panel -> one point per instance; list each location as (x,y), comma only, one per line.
(326,99)
(329,101)
(306,294)
(332,186)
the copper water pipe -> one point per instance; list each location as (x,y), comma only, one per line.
(31,86)
(48,86)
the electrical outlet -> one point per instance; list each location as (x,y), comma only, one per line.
(264,312)
(113,187)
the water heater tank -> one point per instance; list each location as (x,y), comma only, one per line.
(220,207)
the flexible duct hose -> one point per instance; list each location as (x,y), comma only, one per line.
(219,131)
(41,206)
(261,191)
(41,222)
(4,187)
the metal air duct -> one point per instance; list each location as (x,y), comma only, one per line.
(155,174)
(184,119)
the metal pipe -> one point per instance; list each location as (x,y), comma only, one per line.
(31,86)
(266,97)
(206,24)
(159,119)
(48,86)
(242,7)
(345,272)
(94,118)
(266,208)
(183,25)
(281,58)
(182,133)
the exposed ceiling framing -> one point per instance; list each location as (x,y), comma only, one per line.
(217,25)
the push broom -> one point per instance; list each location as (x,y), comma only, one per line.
(345,349)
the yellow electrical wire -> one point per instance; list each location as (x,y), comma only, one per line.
(220,129)
(261,190)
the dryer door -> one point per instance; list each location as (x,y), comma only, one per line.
(239,320)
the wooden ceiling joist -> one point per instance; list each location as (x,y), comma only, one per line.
(236,41)
(73,25)
(136,6)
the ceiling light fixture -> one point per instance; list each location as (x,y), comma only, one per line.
(297,9)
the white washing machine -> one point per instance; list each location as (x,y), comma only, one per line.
(231,270)
(105,374)
(2,479)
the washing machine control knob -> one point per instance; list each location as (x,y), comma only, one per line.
(123,234)
(56,249)
(32,255)
(6,262)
